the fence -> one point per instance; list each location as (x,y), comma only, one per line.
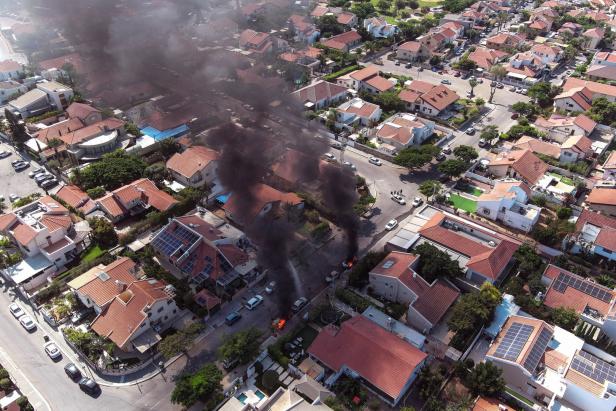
(372,151)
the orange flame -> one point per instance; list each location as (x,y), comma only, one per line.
(281,324)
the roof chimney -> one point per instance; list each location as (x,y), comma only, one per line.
(121,286)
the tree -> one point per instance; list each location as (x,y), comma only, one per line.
(434,263)
(473,83)
(156,172)
(201,385)
(486,379)
(603,111)
(489,133)
(429,382)
(96,192)
(499,71)
(452,168)
(544,93)
(465,153)
(243,345)
(605,280)
(416,156)
(430,188)
(563,213)
(474,310)
(525,109)
(169,147)
(131,128)
(363,10)
(112,171)
(103,232)
(17,129)
(466,64)
(435,60)
(328,25)
(529,262)
(388,101)
(400,4)
(383,5)
(413,4)
(565,317)
(173,344)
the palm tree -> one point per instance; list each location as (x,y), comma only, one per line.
(473,83)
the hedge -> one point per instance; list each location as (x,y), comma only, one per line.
(336,74)
(357,302)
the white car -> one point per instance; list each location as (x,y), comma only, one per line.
(482,142)
(299,304)
(447,149)
(27,322)
(330,157)
(445,81)
(349,165)
(270,287)
(391,224)
(14,197)
(417,202)
(254,302)
(16,310)
(398,199)
(376,161)
(52,350)
(4,154)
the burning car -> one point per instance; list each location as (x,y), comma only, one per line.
(278,324)
(347,264)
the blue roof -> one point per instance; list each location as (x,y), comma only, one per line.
(506,308)
(162,135)
(223,198)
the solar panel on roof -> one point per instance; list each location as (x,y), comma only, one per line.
(533,358)
(514,340)
(565,280)
(388,264)
(594,367)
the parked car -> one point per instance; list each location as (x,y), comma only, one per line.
(349,165)
(72,371)
(441,156)
(330,157)
(391,224)
(376,161)
(397,62)
(408,65)
(482,142)
(470,131)
(500,85)
(398,199)
(232,318)
(417,202)
(52,350)
(299,304)
(513,88)
(13,197)
(445,81)
(230,363)
(447,149)
(332,276)
(524,91)
(16,310)
(42,177)
(36,171)
(4,154)
(89,386)
(270,287)
(336,144)
(21,166)
(14,162)
(254,302)
(49,183)
(27,322)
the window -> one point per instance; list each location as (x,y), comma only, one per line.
(160,309)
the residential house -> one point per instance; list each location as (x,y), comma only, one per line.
(194,167)
(483,254)
(522,165)
(592,37)
(380,28)
(137,315)
(346,18)
(343,42)
(389,370)
(554,367)
(10,70)
(307,58)
(427,98)
(208,301)
(523,65)
(357,113)
(367,79)
(133,199)
(265,199)
(321,94)
(579,94)
(603,66)
(602,200)
(560,128)
(485,58)
(206,250)
(97,287)
(609,167)
(570,29)
(258,43)
(396,279)
(74,197)
(403,130)
(547,53)
(503,41)
(304,394)
(411,51)
(508,202)
(575,148)
(46,237)
(92,142)
(10,88)
(45,97)
(86,113)
(303,29)
(490,404)
(594,234)
(292,170)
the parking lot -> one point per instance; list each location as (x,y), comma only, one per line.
(17,182)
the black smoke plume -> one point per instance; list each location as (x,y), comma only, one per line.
(124,42)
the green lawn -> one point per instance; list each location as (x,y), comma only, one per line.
(563,179)
(520,397)
(430,3)
(470,189)
(91,254)
(463,203)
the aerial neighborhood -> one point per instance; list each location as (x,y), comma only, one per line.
(308,205)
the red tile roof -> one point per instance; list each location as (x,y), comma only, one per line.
(320,91)
(96,129)
(23,233)
(537,146)
(197,224)
(592,86)
(342,41)
(7,66)
(7,220)
(607,239)
(365,73)
(144,188)
(291,166)
(571,297)
(74,59)
(59,129)
(102,289)
(206,299)
(80,110)
(378,356)
(126,312)
(606,196)
(262,195)
(596,219)
(440,97)
(490,404)
(76,198)
(524,162)
(412,46)
(56,222)
(380,83)
(111,205)
(585,123)
(63,242)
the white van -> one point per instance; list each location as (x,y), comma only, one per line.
(254,302)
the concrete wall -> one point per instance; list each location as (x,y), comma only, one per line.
(392,289)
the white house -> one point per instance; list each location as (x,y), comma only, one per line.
(404,130)
(321,94)
(9,88)
(561,128)
(379,28)
(194,167)
(427,98)
(356,113)
(507,202)
(46,96)
(10,70)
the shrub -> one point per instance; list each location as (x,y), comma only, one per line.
(3,373)
(357,302)
(96,192)
(563,213)
(5,384)
(269,379)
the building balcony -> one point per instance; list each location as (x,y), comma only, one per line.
(58,249)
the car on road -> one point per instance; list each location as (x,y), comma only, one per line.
(332,276)
(52,350)
(482,142)
(441,156)
(513,88)
(457,74)
(417,202)
(15,162)
(49,183)
(254,302)
(16,310)
(232,318)
(398,199)
(445,81)
(4,154)
(515,115)
(470,131)
(349,165)
(376,161)
(447,149)
(397,63)
(42,177)
(270,287)
(330,157)
(72,371)
(523,91)
(36,171)
(299,304)
(89,386)
(27,322)
(408,65)
(500,85)
(391,224)
(13,197)
(21,166)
